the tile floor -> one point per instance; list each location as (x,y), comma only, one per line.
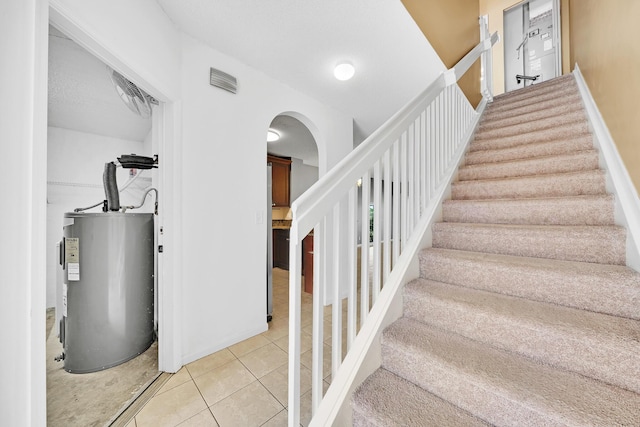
(242,385)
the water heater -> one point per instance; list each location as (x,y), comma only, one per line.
(107,301)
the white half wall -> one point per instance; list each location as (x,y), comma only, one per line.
(302,177)
(224,192)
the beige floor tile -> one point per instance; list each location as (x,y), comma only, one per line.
(223,381)
(343,346)
(252,406)
(326,329)
(264,360)
(180,377)
(277,383)
(172,407)
(305,343)
(227,379)
(201,419)
(306,358)
(280,420)
(277,329)
(210,362)
(305,405)
(248,345)
(280,304)
(131,423)
(307,319)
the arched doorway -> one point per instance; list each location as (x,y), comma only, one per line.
(293,175)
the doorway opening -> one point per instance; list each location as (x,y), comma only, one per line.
(89,126)
(292,165)
(531,43)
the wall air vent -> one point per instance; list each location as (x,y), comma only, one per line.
(223,80)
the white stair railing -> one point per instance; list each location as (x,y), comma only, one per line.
(393,176)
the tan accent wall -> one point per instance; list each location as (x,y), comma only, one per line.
(604,43)
(452,28)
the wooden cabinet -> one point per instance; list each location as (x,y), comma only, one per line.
(280,181)
(281,249)
(307,262)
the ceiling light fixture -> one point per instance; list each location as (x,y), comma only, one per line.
(272,135)
(344,71)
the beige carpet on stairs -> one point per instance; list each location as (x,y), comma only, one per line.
(524,313)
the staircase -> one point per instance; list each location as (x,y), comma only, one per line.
(524,312)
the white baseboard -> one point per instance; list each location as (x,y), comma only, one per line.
(618,180)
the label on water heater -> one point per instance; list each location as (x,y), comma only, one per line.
(73,269)
(72,257)
(72,249)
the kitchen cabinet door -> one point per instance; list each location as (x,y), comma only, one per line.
(281,249)
(280,181)
(307,262)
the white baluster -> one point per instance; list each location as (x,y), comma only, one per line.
(364,248)
(352,302)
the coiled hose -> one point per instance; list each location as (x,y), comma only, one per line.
(111,187)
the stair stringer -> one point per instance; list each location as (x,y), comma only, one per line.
(365,356)
(627,204)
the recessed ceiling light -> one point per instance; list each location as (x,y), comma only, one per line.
(344,71)
(272,135)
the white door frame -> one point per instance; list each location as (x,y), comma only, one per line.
(557,33)
(557,36)
(170,160)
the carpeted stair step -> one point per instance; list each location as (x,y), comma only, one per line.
(574,340)
(505,106)
(601,288)
(550,185)
(575,210)
(527,151)
(525,312)
(571,162)
(385,399)
(595,244)
(544,107)
(561,132)
(531,126)
(531,99)
(499,387)
(550,89)
(555,82)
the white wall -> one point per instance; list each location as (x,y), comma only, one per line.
(23,85)
(224,151)
(74,180)
(302,177)
(223,154)
(215,145)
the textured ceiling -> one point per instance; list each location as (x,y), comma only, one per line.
(82,97)
(295,140)
(299,43)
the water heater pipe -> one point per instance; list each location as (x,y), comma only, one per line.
(111,187)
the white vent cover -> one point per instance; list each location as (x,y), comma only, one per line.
(223,80)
